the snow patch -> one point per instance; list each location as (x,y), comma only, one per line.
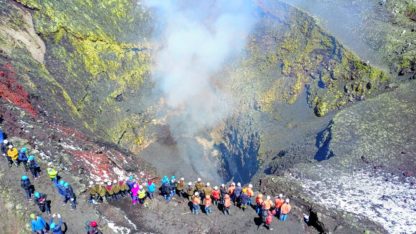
(118,229)
(383,198)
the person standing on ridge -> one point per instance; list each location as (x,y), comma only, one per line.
(223,191)
(278,202)
(22,158)
(52,173)
(92,191)
(199,186)
(130,182)
(249,193)
(38,224)
(207,190)
(92,228)
(43,204)
(13,154)
(151,188)
(284,210)
(70,195)
(134,192)
(116,190)
(141,194)
(33,167)
(231,189)
(27,186)
(259,202)
(56,227)
(190,190)
(123,187)
(216,195)
(4,147)
(101,191)
(196,202)
(237,193)
(109,191)
(208,204)
(180,186)
(61,189)
(227,204)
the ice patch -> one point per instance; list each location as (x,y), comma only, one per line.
(384,199)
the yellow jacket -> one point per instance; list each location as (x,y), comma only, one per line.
(142,194)
(13,153)
(52,173)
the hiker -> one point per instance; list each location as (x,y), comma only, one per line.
(165,180)
(237,193)
(101,191)
(244,200)
(116,190)
(38,224)
(13,154)
(165,190)
(92,228)
(278,202)
(61,189)
(227,204)
(93,194)
(199,186)
(172,187)
(223,191)
(22,158)
(284,210)
(141,194)
(216,195)
(180,186)
(259,202)
(151,188)
(33,167)
(109,191)
(249,193)
(190,191)
(43,204)
(267,204)
(56,227)
(123,187)
(208,204)
(70,195)
(134,192)
(4,146)
(196,201)
(207,190)
(27,186)
(130,182)
(268,219)
(230,190)
(52,173)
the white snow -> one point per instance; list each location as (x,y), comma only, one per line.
(381,198)
(118,229)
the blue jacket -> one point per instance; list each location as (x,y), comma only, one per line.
(33,164)
(22,156)
(151,188)
(69,192)
(130,183)
(61,190)
(237,191)
(58,226)
(38,224)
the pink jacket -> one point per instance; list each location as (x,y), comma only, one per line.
(134,191)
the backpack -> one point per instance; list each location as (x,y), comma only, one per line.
(26,184)
(165,189)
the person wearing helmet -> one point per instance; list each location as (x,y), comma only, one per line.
(243,200)
(33,167)
(56,227)
(196,202)
(199,185)
(70,195)
(249,193)
(227,204)
(4,146)
(285,209)
(116,190)
(22,158)
(180,186)
(216,195)
(151,188)
(27,187)
(42,203)
(101,191)
(38,224)
(130,182)
(165,190)
(61,189)
(93,194)
(236,195)
(207,190)
(109,191)
(223,191)
(172,188)
(190,190)
(123,187)
(92,228)
(134,192)
(13,154)
(231,189)
(141,194)
(52,173)
(278,202)
(259,202)
(267,204)
(208,204)
(165,180)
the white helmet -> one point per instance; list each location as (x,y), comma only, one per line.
(10,146)
(239,184)
(91,182)
(109,183)
(190,183)
(208,184)
(215,187)
(232,183)
(281,195)
(268,197)
(196,194)
(140,187)
(182,178)
(199,179)
(222,185)
(50,163)
(287,200)
(5,142)
(114,181)
(250,186)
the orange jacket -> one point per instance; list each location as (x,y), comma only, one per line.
(227,201)
(285,209)
(231,189)
(267,204)
(259,199)
(216,194)
(196,200)
(250,192)
(278,202)
(208,201)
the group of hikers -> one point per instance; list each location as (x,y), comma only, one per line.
(200,195)
(38,224)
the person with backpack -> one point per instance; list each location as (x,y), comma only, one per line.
(278,202)
(92,228)
(208,204)
(223,191)
(190,190)
(196,202)
(244,200)
(33,167)
(38,224)
(92,192)
(141,194)
(216,195)
(207,190)
(4,146)
(237,193)
(134,192)
(42,203)
(52,173)
(284,210)
(180,186)
(259,202)
(27,187)
(123,187)
(22,158)
(165,190)
(130,182)
(101,191)
(151,188)
(268,218)
(56,227)
(109,195)
(70,196)
(116,190)
(227,204)
(61,189)
(13,154)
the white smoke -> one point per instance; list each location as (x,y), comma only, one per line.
(196,39)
